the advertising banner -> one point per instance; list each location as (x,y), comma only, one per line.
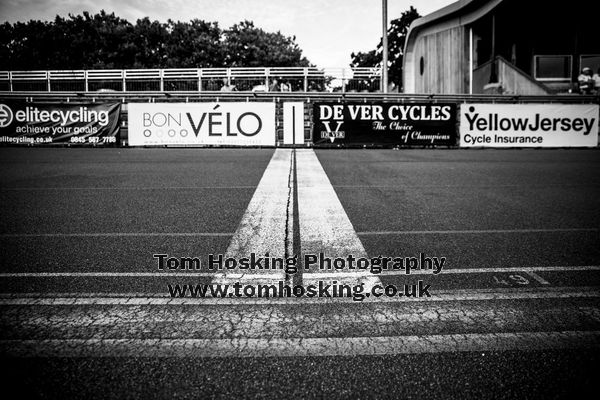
(181,124)
(414,124)
(90,124)
(528,125)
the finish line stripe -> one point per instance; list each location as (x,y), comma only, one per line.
(324,224)
(264,225)
(301,347)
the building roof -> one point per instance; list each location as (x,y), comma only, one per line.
(457,9)
(472,9)
(443,13)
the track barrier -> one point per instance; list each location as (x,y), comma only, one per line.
(340,120)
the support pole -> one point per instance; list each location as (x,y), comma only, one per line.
(493,72)
(384,41)
(470,60)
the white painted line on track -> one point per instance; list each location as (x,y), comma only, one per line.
(16,189)
(316,190)
(289,242)
(302,347)
(303,321)
(189,274)
(538,278)
(104,274)
(446,271)
(492,186)
(324,224)
(477,231)
(140,299)
(311,276)
(263,228)
(117,234)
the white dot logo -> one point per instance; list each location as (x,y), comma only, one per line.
(6,116)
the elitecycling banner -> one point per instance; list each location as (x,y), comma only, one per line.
(529,125)
(39,124)
(414,124)
(201,124)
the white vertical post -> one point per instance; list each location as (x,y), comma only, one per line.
(305,71)
(293,123)
(267,73)
(384,40)
(470,60)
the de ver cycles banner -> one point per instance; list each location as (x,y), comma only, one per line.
(415,124)
(90,124)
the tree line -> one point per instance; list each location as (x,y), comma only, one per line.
(105,41)
(396,38)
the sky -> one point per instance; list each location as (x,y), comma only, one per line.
(327,31)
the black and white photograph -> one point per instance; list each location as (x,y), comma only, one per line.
(299,199)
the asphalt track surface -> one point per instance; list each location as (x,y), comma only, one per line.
(85,312)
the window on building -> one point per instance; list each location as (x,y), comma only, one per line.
(483,51)
(557,68)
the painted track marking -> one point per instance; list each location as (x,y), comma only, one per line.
(263,228)
(301,347)
(477,231)
(324,224)
(164,299)
(117,234)
(191,274)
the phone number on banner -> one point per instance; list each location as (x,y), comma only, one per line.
(94,139)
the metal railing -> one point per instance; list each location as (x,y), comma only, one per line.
(278,97)
(294,79)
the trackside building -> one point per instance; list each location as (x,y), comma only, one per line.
(501,47)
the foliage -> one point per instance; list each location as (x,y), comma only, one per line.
(248,46)
(396,38)
(104,41)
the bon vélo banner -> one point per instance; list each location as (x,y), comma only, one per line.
(181,124)
(83,124)
(411,124)
(529,125)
